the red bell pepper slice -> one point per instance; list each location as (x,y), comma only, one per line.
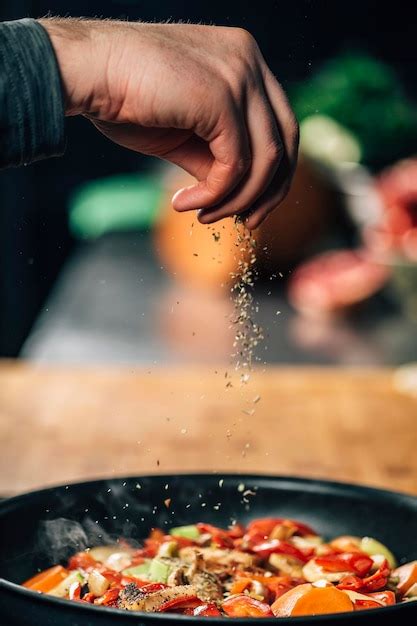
(277,546)
(361,605)
(350,583)
(89,598)
(110,597)
(182,602)
(277,585)
(219,536)
(82,560)
(151,587)
(266,525)
(355,562)
(386,597)
(379,579)
(245,606)
(375,582)
(375,601)
(236,531)
(119,579)
(206,610)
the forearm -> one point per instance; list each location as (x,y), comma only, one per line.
(31,103)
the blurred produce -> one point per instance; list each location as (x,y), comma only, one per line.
(395,236)
(114,204)
(326,141)
(335,281)
(366,98)
(206,255)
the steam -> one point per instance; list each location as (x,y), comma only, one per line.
(59,538)
(62,537)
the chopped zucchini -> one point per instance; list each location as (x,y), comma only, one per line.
(189,532)
(159,571)
(138,571)
(373,547)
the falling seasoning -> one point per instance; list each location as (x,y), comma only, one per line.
(247,332)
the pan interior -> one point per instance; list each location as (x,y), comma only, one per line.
(43,528)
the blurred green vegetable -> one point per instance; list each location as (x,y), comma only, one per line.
(366,97)
(115,204)
(327,141)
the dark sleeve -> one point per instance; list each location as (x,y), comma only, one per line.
(31,98)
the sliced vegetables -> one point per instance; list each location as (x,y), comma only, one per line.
(273,567)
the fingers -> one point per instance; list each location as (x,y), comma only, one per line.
(285,118)
(270,200)
(267,151)
(288,126)
(227,184)
(230,150)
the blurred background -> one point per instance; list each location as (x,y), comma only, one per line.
(96,267)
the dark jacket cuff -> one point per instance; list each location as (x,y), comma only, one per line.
(31,97)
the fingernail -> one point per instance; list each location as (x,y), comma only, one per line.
(178,193)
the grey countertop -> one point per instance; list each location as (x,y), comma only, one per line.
(114,303)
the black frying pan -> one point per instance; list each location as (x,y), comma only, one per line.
(31,538)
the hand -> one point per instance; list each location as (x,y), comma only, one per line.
(201,97)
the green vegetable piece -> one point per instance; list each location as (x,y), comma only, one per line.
(168,549)
(189,532)
(138,571)
(372,547)
(159,571)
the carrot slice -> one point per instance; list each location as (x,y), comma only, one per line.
(240,585)
(47,580)
(309,600)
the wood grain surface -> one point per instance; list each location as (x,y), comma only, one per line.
(59,425)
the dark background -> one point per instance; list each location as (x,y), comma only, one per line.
(295,36)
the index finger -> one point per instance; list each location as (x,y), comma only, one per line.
(229,146)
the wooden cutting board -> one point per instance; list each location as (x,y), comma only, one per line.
(59,425)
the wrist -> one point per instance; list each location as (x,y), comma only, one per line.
(72,42)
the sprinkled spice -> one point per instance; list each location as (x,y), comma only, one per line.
(247,332)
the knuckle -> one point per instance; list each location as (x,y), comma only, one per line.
(273,151)
(244,37)
(241,164)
